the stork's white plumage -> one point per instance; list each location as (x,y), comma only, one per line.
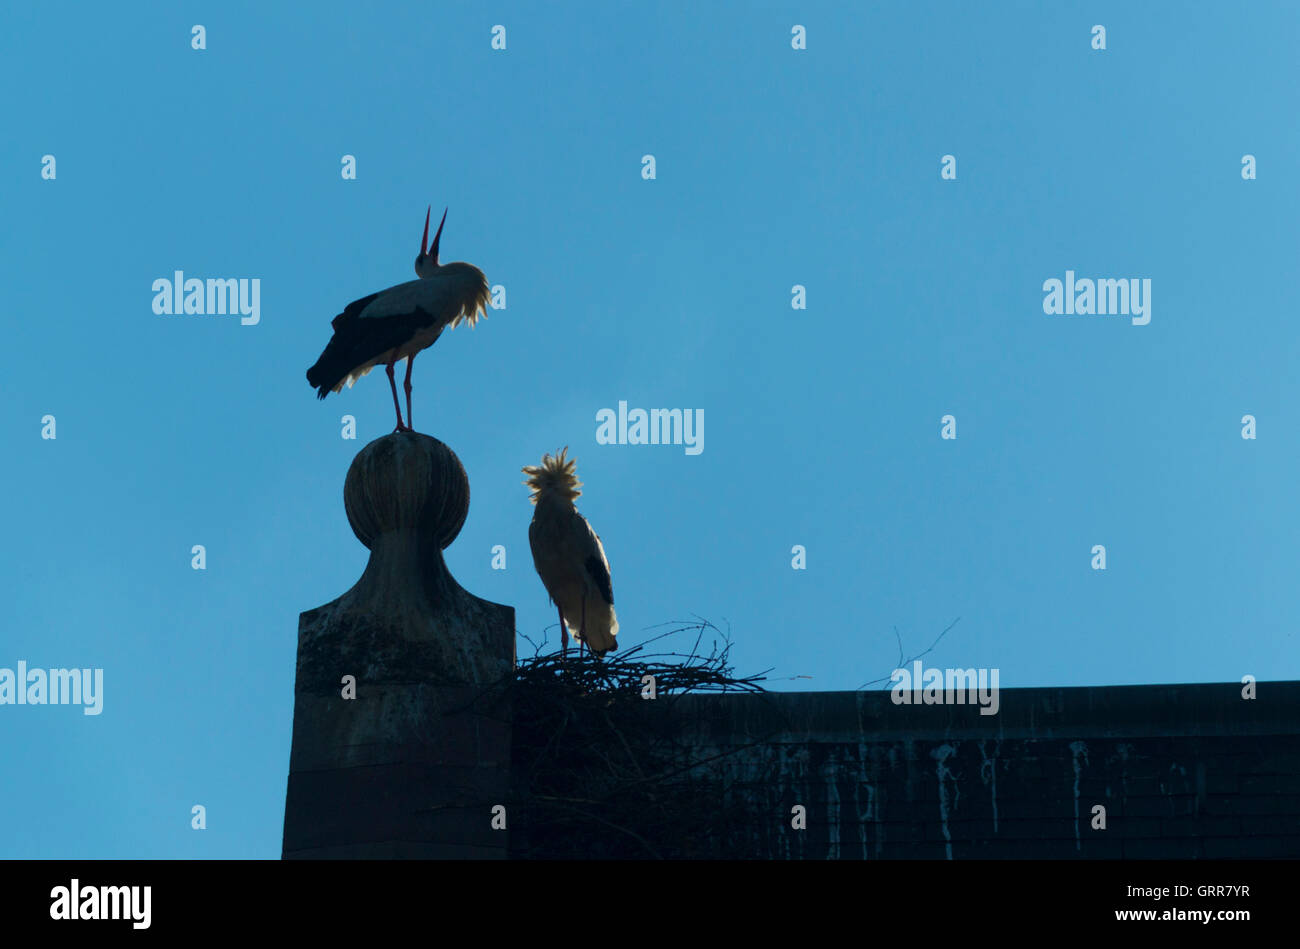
(398,322)
(569,556)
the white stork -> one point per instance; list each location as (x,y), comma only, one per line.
(398,322)
(569,557)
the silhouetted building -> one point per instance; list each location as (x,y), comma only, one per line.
(441,752)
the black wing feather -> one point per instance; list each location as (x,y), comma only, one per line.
(598,573)
(353,308)
(357,341)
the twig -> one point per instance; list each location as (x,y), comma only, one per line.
(902,662)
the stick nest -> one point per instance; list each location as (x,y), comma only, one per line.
(601,772)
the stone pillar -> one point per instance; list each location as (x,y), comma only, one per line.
(411,766)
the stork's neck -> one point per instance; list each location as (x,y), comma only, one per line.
(551,503)
(428,267)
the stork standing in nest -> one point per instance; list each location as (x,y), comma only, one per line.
(569,557)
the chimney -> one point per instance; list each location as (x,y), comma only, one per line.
(397,751)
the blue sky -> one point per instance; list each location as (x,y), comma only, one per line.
(774,167)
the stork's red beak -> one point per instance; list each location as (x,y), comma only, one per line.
(425,250)
(433,251)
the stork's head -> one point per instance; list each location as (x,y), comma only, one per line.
(553,478)
(427,263)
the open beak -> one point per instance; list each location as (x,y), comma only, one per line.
(433,251)
(425,250)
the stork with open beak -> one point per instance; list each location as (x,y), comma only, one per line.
(570,558)
(398,322)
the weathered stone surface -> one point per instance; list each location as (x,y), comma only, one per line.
(1182,770)
(406,481)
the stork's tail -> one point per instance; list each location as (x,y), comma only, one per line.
(602,627)
(325,376)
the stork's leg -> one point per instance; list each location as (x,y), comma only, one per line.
(410,361)
(564,633)
(396,407)
(582,630)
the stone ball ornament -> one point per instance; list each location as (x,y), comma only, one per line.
(406,481)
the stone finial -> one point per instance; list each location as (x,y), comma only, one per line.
(399,748)
(406,481)
(406,497)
